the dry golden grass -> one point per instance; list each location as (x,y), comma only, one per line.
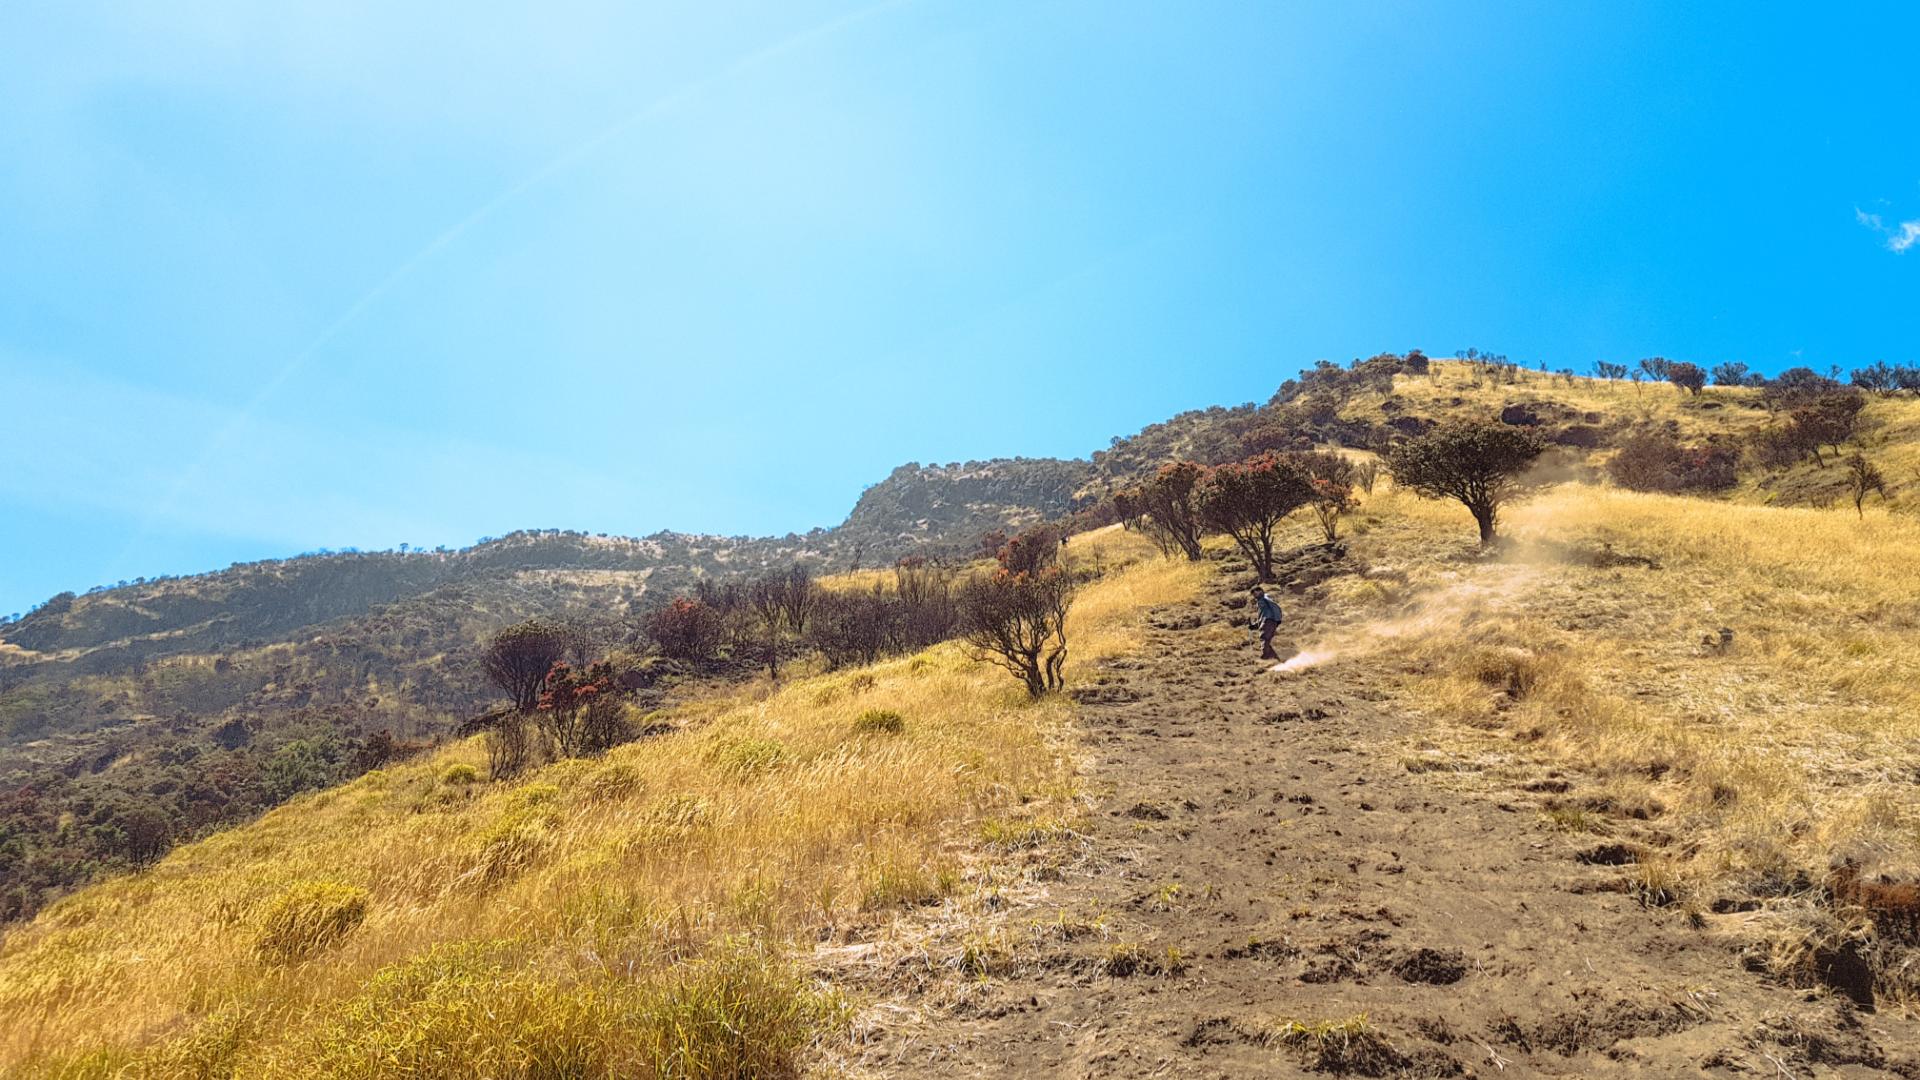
(1794,748)
(1454,386)
(633,915)
(1889,433)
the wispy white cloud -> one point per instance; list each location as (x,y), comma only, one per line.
(1899,237)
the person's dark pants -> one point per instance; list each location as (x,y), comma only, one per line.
(1268,628)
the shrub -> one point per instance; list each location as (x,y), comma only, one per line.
(1653,461)
(782,602)
(580,709)
(1863,479)
(854,627)
(1275,436)
(685,629)
(880,721)
(1778,446)
(1019,622)
(927,610)
(1331,478)
(1795,387)
(518,659)
(1687,377)
(460,773)
(1828,419)
(1032,551)
(1171,504)
(307,918)
(509,743)
(1879,376)
(746,756)
(1249,500)
(1730,374)
(1478,463)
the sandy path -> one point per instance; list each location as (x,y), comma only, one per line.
(1268,828)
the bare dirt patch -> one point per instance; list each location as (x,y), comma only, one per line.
(1268,885)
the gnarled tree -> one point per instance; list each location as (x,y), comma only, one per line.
(1171,502)
(1863,479)
(767,597)
(1331,476)
(1477,462)
(686,629)
(1688,377)
(1019,621)
(518,659)
(1248,500)
(855,627)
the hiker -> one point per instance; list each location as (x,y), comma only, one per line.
(1267,621)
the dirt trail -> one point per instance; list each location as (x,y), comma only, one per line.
(1268,828)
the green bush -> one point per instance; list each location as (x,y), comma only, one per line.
(460,773)
(880,721)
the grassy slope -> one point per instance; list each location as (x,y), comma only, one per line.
(632,915)
(1889,429)
(1742,774)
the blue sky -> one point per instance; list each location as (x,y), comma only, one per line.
(353,273)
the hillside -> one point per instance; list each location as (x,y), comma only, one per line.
(1508,811)
(1694,685)
(573,901)
(135,717)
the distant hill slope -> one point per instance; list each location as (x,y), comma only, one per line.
(944,504)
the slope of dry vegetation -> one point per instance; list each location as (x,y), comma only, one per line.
(1737,678)
(636,914)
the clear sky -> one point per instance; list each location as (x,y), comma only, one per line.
(336,273)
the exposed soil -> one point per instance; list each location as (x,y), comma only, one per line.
(1269,828)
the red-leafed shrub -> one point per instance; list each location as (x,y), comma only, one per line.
(685,629)
(1171,502)
(1032,551)
(1248,500)
(580,709)
(1652,461)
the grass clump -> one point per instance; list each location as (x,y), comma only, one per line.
(460,774)
(746,756)
(1002,835)
(307,918)
(473,1009)
(894,879)
(880,722)
(514,842)
(1124,959)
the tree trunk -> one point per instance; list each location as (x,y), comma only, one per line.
(1484,517)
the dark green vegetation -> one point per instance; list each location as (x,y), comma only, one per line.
(134,717)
